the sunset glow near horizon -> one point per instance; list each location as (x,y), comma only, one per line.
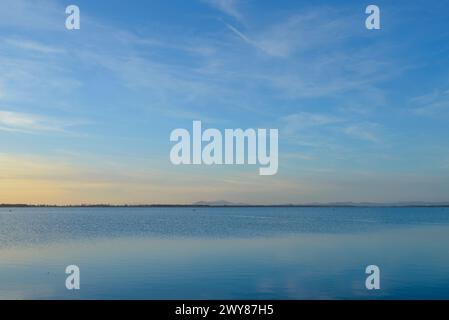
(86,115)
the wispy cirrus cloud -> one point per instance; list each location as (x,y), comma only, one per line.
(299,33)
(363,131)
(241,35)
(297,122)
(307,55)
(32,46)
(432,103)
(35,15)
(229,7)
(326,130)
(31,123)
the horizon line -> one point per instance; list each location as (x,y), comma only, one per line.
(230,204)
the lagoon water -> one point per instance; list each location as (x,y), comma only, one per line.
(224,253)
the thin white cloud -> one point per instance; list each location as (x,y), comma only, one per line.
(228,7)
(35,15)
(324,130)
(281,50)
(34,46)
(432,103)
(241,35)
(363,132)
(317,28)
(306,55)
(31,123)
(305,120)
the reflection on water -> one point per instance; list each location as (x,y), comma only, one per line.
(241,253)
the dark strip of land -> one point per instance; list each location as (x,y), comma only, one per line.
(318,205)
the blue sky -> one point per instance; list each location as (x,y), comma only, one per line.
(85,115)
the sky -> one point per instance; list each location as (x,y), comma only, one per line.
(86,115)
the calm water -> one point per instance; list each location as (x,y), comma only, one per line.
(224,253)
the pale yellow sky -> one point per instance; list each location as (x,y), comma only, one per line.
(33,179)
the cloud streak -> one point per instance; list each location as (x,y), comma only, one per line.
(363,132)
(31,123)
(228,7)
(33,46)
(434,103)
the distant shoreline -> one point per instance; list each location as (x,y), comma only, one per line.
(341,205)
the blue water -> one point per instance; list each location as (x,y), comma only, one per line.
(224,253)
